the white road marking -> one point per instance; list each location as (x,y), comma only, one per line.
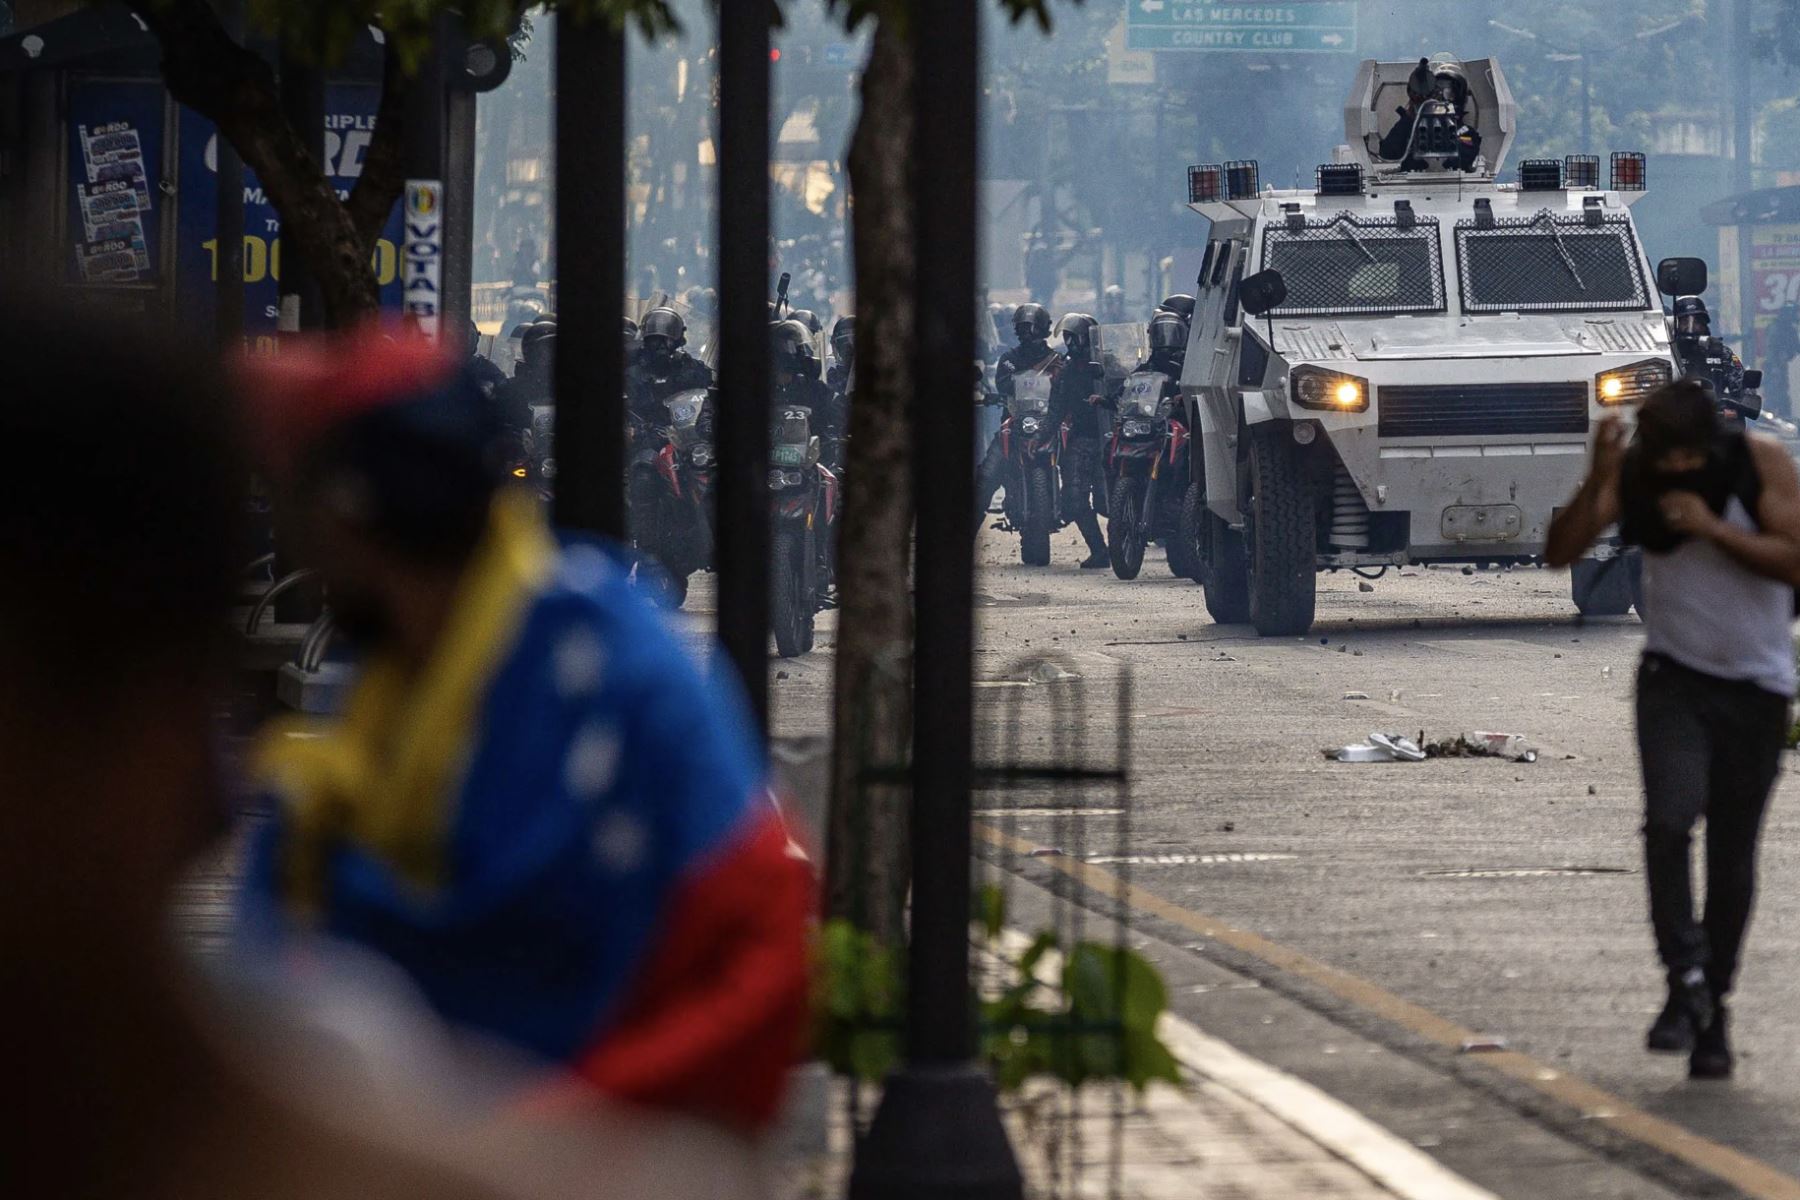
(1188,860)
(1048,812)
(1392,1162)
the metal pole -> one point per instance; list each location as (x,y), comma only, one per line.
(590,274)
(1743,174)
(937,1132)
(422,254)
(742,496)
(459,213)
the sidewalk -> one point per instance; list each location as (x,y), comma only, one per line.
(1238,1130)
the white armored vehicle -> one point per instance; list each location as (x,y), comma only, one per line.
(1403,364)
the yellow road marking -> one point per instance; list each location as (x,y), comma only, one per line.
(1749,1175)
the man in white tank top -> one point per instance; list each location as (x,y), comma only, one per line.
(1718,517)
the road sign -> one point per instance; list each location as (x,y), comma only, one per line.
(1295,26)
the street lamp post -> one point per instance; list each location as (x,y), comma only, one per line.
(937,1132)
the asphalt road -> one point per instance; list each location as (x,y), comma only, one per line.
(1505,898)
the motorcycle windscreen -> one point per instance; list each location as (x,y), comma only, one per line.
(1121,348)
(1031,392)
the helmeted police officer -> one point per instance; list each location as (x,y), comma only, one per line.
(1433,132)
(661,368)
(1168,335)
(797,383)
(1181,304)
(1077,400)
(533,383)
(1703,356)
(1031,353)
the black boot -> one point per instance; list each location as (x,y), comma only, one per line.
(1712,1058)
(1689,1010)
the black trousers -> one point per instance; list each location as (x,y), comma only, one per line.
(990,477)
(1709,748)
(1081,472)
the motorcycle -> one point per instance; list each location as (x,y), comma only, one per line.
(1032,444)
(671,485)
(1147,458)
(803,495)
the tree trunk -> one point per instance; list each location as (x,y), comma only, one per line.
(867,854)
(205,69)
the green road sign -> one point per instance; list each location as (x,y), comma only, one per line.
(1295,26)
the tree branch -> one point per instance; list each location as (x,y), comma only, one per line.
(383,174)
(207,70)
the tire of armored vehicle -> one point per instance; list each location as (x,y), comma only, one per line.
(1601,588)
(1183,544)
(1282,545)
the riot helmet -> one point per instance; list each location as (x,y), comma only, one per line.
(1077,333)
(1181,304)
(790,347)
(538,343)
(631,329)
(663,333)
(1168,332)
(843,340)
(1031,323)
(808,318)
(1691,318)
(1450,84)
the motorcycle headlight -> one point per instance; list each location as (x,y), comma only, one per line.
(702,455)
(779,479)
(1029,424)
(1329,391)
(1632,384)
(684,414)
(1138,429)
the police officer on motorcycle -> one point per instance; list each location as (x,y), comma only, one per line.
(661,368)
(1077,400)
(1032,352)
(797,383)
(1168,346)
(1706,357)
(533,383)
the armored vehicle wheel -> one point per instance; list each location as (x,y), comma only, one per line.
(1184,543)
(1601,588)
(1034,535)
(1283,538)
(1124,529)
(1226,572)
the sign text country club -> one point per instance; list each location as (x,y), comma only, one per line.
(1304,25)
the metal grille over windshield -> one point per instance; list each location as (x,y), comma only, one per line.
(1550,263)
(1343,266)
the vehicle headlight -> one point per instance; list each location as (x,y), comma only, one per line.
(1632,384)
(702,455)
(779,479)
(684,414)
(1329,391)
(1029,424)
(1137,429)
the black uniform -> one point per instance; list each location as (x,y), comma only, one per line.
(1467,144)
(652,380)
(1711,359)
(991,476)
(828,412)
(532,384)
(1073,399)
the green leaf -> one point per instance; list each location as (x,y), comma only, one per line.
(990,909)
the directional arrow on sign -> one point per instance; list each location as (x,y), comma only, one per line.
(1151,6)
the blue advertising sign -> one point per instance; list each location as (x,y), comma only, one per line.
(115,130)
(1295,26)
(349,126)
